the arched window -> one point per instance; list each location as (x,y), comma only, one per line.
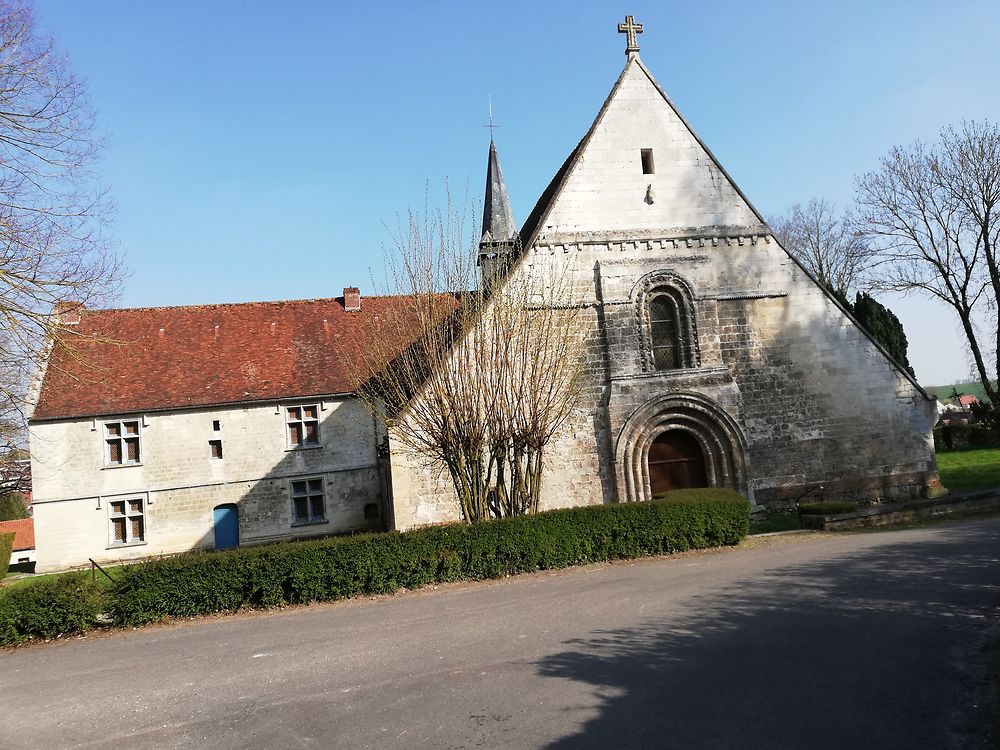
(670,328)
(664,332)
(666,313)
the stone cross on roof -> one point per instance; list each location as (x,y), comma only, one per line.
(630,28)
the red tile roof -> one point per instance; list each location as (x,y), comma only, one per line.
(155,358)
(24,534)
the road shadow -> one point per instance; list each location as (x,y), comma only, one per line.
(868,650)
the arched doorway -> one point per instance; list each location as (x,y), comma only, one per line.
(718,437)
(676,462)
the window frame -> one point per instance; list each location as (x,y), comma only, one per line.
(128,538)
(679,296)
(302,423)
(122,439)
(309,494)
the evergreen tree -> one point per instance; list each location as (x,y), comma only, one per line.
(883,325)
(841,296)
(12,507)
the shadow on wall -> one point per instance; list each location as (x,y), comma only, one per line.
(846,653)
(820,405)
(333,487)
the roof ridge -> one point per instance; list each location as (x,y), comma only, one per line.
(241,304)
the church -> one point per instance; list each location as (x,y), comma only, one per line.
(713,359)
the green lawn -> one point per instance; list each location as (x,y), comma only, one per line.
(100,580)
(943,392)
(962,471)
(776,522)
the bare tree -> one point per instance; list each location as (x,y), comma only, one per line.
(932,216)
(827,244)
(492,373)
(53,251)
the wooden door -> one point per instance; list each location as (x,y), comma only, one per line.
(676,462)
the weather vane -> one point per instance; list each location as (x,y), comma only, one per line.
(630,28)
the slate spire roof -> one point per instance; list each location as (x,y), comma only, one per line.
(498,219)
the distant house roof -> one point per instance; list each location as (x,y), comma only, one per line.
(968,400)
(24,533)
(955,417)
(147,359)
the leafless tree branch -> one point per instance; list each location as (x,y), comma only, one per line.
(932,216)
(54,251)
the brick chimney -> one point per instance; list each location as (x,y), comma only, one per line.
(352,299)
(68,313)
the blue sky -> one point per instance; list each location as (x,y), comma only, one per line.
(257,150)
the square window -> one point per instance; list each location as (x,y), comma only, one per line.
(216,425)
(128,521)
(303,425)
(308,501)
(122,441)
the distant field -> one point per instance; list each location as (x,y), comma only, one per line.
(943,392)
(962,471)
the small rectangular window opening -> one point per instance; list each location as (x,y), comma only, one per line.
(216,447)
(216,425)
(647,160)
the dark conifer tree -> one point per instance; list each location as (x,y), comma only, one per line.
(883,325)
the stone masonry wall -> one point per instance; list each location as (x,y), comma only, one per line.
(181,483)
(789,393)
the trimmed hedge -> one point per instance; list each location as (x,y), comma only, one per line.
(60,605)
(6,549)
(340,567)
(827,507)
(962,436)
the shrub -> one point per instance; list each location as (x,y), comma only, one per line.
(6,548)
(59,605)
(827,507)
(340,567)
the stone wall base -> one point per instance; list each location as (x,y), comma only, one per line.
(893,513)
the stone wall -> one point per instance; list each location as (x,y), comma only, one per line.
(783,392)
(785,388)
(181,484)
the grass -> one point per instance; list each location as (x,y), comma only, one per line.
(14,583)
(963,471)
(776,522)
(943,392)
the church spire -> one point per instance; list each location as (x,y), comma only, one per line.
(500,237)
(498,219)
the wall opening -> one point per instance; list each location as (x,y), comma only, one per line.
(646,155)
(676,462)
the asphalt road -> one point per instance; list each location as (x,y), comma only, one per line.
(852,641)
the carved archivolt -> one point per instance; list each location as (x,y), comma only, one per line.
(673,290)
(718,434)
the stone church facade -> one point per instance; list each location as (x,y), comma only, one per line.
(712,359)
